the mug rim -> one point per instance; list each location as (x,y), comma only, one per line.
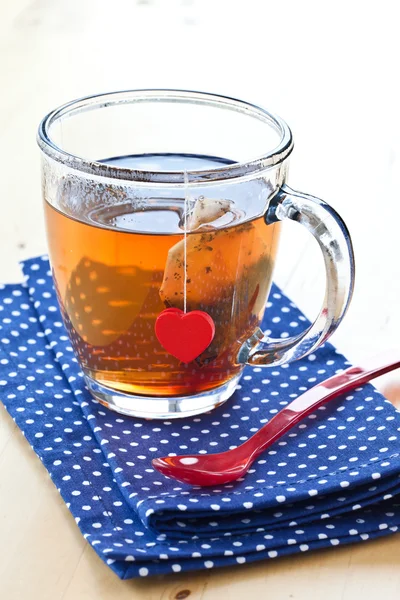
(231,171)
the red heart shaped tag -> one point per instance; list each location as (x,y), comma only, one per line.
(184,335)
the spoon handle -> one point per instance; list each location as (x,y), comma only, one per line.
(315,397)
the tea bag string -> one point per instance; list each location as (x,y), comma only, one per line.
(186,206)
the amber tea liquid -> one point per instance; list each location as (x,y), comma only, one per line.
(116,269)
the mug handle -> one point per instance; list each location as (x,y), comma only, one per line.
(334,240)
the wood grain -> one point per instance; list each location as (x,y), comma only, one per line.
(330,71)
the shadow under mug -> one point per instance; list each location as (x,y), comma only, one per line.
(160,199)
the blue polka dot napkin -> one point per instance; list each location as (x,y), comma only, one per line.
(332,480)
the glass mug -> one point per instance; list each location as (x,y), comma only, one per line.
(168,199)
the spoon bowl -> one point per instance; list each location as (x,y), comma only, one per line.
(202,472)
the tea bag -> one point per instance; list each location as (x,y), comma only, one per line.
(227,274)
(207,210)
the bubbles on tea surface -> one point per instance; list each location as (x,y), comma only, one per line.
(125,207)
(156,216)
(167,216)
(167,162)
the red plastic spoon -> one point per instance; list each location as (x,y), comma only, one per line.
(215,469)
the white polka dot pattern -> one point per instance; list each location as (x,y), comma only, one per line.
(332,480)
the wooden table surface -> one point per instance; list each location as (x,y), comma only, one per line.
(329,69)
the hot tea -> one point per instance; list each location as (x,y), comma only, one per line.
(163,255)
(127,263)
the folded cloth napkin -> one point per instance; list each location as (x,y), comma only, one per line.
(331,480)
